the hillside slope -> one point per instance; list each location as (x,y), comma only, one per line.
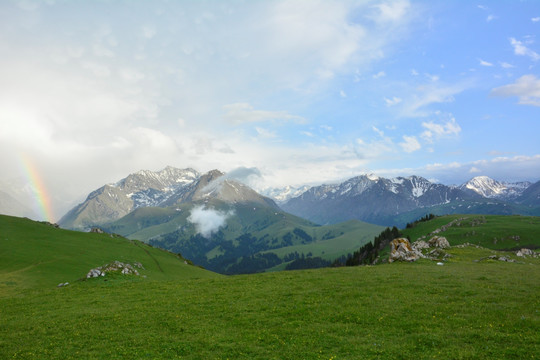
(462,310)
(36,255)
(251,236)
(496,232)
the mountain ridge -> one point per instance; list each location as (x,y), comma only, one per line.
(381,201)
(368,197)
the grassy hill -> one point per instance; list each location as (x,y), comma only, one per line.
(38,255)
(255,238)
(464,309)
(490,231)
(483,206)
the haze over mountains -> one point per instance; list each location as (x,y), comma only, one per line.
(11,206)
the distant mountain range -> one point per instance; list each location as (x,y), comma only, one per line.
(399,200)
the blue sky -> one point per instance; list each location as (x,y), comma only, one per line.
(303,91)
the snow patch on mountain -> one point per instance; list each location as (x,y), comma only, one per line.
(281,195)
(493,189)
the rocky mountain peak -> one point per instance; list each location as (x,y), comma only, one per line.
(489,188)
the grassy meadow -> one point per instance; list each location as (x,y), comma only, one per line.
(464,309)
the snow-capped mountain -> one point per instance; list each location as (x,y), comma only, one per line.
(493,189)
(282,195)
(148,188)
(164,188)
(371,198)
(141,189)
(215,185)
(368,198)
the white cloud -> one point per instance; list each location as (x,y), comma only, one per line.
(380,132)
(375,149)
(535,19)
(423,96)
(410,144)
(131,75)
(437,130)
(526,88)
(326,127)
(506,65)
(414,72)
(241,113)
(342,94)
(307,133)
(393,101)
(392,11)
(516,168)
(208,221)
(432,77)
(265,133)
(521,49)
(380,74)
(491,17)
(484,63)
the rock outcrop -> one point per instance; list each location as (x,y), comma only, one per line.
(439,242)
(116,266)
(524,252)
(401,250)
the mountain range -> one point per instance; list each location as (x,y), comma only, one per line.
(226,226)
(399,200)
(212,219)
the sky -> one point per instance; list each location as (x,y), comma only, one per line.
(301,92)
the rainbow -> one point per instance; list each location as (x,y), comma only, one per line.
(41,196)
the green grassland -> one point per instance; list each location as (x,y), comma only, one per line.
(483,206)
(464,309)
(491,231)
(34,254)
(461,310)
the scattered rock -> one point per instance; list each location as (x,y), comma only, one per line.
(419,245)
(401,250)
(94,273)
(440,263)
(456,222)
(97,230)
(497,258)
(439,242)
(524,252)
(62,284)
(438,253)
(506,259)
(116,266)
(468,244)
